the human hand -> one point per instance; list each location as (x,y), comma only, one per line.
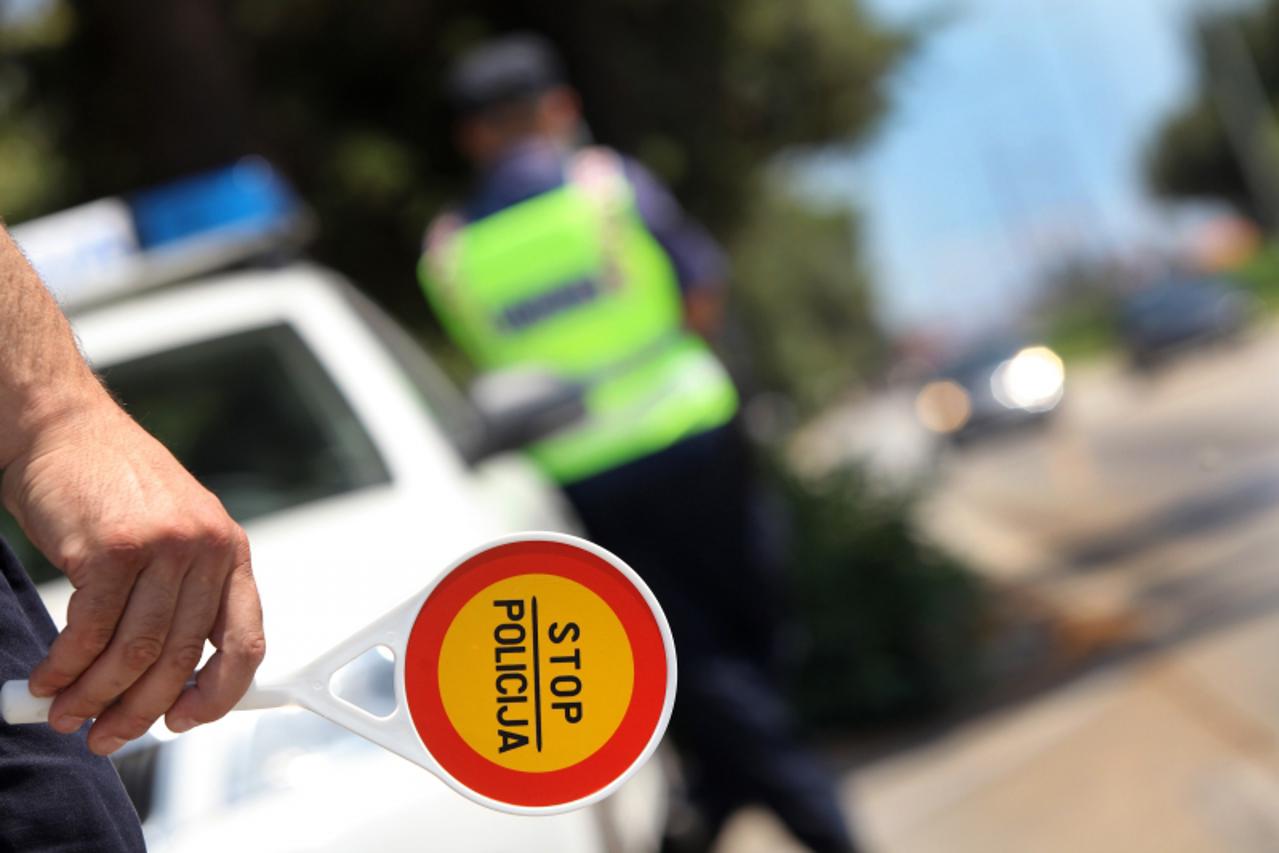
(704,310)
(158,568)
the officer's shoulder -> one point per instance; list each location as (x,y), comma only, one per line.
(442,229)
(601,171)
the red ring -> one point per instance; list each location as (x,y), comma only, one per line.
(426,707)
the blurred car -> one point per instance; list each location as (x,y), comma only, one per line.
(359,472)
(1175,315)
(995,386)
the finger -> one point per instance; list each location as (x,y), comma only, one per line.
(241,646)
(137,644)
(159,687)
(92,615)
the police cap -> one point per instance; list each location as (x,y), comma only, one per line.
(498,72)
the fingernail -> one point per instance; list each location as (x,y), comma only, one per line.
(68,723)
(106,746)
(40,691)
(180,725)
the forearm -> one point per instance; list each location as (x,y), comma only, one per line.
(43,377)
(157,565)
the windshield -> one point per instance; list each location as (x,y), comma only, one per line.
(253,416)
(449,408)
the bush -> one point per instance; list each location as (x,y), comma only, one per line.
(894,625)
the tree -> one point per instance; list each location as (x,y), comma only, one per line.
(1192,155)
(804,300)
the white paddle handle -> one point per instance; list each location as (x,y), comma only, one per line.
(18,706)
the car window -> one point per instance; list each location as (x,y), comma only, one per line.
(253,416)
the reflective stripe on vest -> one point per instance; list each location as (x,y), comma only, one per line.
(573,282)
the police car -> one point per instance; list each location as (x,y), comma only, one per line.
(358,471)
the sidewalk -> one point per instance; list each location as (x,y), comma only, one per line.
(1178,752)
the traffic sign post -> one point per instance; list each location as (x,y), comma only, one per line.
(534,676)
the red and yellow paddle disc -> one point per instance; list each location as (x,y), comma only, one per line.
(539,672)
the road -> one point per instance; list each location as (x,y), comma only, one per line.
(1159,493)
(1150,508)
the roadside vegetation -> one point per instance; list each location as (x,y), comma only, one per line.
(890,626)
(1260,276)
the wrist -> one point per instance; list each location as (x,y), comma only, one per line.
(42,410)
(46,387)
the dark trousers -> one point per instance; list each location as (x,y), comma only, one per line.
(682,520)
(55,795)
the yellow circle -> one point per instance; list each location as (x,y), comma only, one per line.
(536,672)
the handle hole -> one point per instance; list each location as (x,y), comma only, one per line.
(368,682)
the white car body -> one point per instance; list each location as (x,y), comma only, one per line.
(327,567)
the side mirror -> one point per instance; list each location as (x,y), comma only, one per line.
(521,406)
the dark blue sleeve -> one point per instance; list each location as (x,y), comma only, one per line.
(55,795)
(698,260)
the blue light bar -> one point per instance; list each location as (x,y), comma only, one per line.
(248,199)
(194,226)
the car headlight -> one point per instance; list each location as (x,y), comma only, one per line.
(943,406)
(1034,379)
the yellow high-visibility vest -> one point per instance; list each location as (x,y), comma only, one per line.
(572,281)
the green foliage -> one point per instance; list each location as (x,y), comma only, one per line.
(29,179)
(1192,159)
(804,300)
(1079,313)
(1260,276)
(895,625)
(1084,329)
(32,176)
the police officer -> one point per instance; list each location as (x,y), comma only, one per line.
(575,259)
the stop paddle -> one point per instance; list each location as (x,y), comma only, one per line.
(534,676)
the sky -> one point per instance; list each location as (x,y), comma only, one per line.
(1017,131)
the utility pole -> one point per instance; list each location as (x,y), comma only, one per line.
(1246,113)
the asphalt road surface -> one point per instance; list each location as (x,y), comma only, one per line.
(1159,493)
